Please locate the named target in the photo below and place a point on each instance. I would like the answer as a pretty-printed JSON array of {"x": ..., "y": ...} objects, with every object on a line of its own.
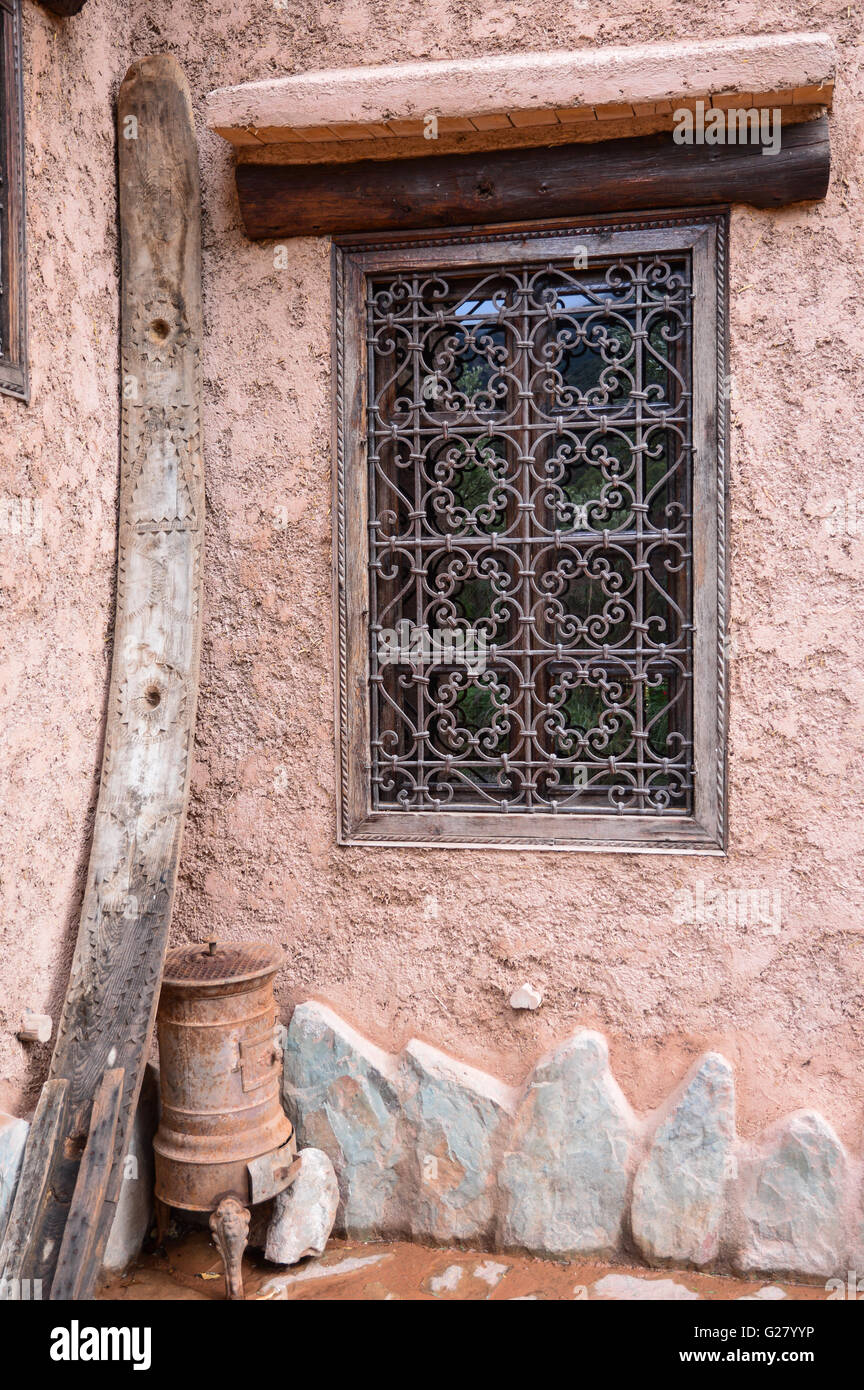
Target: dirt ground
[{"x": 190, "y": 1268}]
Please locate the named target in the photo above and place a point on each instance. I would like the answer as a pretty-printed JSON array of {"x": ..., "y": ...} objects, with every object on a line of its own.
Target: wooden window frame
[
  {"x": 705, "y": 236},
  {"x": 14, "y": 375}
]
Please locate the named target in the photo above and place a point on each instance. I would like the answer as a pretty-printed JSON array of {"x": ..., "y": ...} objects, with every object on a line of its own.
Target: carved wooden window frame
[
  {"x": 703, "y": 237},
  {"x": 14, "y": 376}
]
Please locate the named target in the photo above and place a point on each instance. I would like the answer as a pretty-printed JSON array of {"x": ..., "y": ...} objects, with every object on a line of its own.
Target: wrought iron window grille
[{"x": 531, "y": 458}]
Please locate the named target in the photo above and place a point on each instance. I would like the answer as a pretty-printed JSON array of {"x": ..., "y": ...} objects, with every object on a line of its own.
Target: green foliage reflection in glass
[
  {"x": 584, "y": 710},
  {"x": 657, "y": 698},
  {"x": 477, "y": 470},
  {"x": 457, "y": 366},
  {"x": 478, "y": 709}
]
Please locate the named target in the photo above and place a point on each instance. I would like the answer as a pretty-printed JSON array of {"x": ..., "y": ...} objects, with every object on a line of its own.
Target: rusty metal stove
[{"x": 224, "y": 1141}]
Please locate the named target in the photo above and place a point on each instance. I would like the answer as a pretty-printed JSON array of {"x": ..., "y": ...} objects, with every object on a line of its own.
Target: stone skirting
[{"x": 428, "y": 1147}]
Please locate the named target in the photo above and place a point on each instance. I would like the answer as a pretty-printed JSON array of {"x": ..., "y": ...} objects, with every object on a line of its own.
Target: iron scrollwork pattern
[{"x": 530, "y": 455}]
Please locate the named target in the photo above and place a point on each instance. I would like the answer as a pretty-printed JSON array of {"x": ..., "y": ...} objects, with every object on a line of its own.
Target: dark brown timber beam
[
  {"x": 280, "y": 200},
  {"x": 64, "y": 7}
]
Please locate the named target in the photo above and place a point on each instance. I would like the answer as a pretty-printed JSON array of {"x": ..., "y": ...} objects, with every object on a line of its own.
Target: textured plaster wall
[{"x": 419, "y": 941}]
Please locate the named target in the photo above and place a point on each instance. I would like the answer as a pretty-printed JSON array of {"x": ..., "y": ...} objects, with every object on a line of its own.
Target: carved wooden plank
[
  {"x": 75, "y": 1264},
  {"x": 36, "y": 1207},
  {"x": 109, "y": 1011},
  {"x": 511, "y": 185}
]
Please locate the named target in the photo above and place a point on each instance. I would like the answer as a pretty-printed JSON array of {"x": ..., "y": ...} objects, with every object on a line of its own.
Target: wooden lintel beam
[{"x": 280, "y": 200}]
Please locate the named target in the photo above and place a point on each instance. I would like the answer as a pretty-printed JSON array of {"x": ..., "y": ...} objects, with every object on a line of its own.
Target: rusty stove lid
[{"x": 220, "y": 963}]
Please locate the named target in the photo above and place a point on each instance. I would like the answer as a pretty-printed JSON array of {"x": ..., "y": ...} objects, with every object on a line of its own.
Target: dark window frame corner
[{"x": 14, "y": 366}]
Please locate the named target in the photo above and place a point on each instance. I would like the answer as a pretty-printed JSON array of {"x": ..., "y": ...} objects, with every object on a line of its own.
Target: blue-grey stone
[
  {"x": 343, "y": 1094},
  {"x": 13, "y": 1137},
  {"x": 566, "y": 1175},
  {"x": 679, "y": 1192},
  {"x": 455, "y": 1116},
  {"x": 793, "y": 1201}
]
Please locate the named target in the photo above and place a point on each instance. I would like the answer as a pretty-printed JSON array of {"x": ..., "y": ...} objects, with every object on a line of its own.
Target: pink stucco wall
[{"x": 420, "y": 941}]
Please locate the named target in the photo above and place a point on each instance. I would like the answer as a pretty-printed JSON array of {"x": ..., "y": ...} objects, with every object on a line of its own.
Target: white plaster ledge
[{"x": 518, "y": 91}]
